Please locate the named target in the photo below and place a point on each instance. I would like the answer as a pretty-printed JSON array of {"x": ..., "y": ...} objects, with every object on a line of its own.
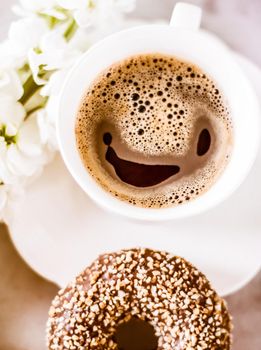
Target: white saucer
[{"x": 58, "y": 230}]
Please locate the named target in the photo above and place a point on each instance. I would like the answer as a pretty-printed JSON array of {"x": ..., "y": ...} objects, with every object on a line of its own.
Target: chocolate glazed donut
[{"x": 136, "y": 291}]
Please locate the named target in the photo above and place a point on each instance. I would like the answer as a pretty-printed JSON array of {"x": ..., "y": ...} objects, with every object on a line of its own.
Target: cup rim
[{"x": 94, "y": 190}]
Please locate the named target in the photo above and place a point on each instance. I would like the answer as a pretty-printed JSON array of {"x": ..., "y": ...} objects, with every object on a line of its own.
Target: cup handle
[{"x": 186, "y": 16}]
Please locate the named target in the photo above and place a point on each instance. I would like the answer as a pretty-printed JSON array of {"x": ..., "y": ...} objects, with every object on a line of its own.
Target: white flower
[
  {"x": 47, "y": 128},
  {"x": 72, "y": 5},
  {"x": 54, "y": 53},
  {"x": 96, "y": 12},
  {"x": 8, "y": 196},
  {"x": 5, "y": 194},
  {"x": 21, "y": 151},
  {"x": 48, "y": 9},
  {"x": 12, "y": 115},
  {"x": 3, "y": 197},
  {"x": 58, "y": 55},
  {"x": 23, "y": 35},
  {"x": 9, "y": 56},
  {"x": 27, "y": 7},
  {"x": 37, "y": 5},
  {"x": 27, "y": 33},
  {"x": 10, "y": 84},
  {"x": 22, "y": 154},
  {"x": 47, "y": 118}
]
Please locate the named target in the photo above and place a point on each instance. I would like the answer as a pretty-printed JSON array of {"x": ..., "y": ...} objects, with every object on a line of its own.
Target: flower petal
[
  {"x": 10, "y": 56},
  {"x": 55, "y": 54},
  {"x": 11, "y": 111},
  {"x": 37, "y": 5},
  {"x": 84, "y": 19},
  {"x": 5, "y": 175},
  {"x": 3, "y": 197},
  {"x": 11, "y": 130},
  {"x": 29, "y": 140},
  {"x": 21, "y": 165},
  {"x": 71, "y": 5},
  {"x": 26, "y": 33},
  {"x": 10, "y": 84},
  {"x": 47, "y": 130},
  {"x": 125, "y": 5},
  {"x": 55, "y": 83},
  {"x": 35, "y": 61}
]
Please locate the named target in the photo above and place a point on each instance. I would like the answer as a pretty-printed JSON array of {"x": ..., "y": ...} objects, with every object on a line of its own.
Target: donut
[{"x": 138, "y": 290}]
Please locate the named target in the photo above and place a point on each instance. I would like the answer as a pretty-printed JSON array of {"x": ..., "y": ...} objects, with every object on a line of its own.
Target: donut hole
[{"x": 136, "y": 334}]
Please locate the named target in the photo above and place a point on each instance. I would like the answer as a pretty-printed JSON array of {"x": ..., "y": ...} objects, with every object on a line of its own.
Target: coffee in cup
[{"x": 154, "y": 131}]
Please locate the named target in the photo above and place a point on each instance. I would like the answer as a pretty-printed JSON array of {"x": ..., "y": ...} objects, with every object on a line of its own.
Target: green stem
[
  {"x": 91, "y": 4},
  {"x": 70, "y": 31},
  {"x": 30, "y": 88},
  {"x": 36, "y": 108}
]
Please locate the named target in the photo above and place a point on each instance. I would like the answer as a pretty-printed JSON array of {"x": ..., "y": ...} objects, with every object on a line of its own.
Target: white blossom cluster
[{"x": 42, "y": 45}]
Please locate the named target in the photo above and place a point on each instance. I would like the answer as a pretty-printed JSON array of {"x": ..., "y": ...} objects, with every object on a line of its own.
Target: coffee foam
[{"x": 155, "y": 106}]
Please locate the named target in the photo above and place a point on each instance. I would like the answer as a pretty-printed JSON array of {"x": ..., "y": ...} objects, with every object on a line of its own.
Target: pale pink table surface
[{"x": 25, "y": 297}]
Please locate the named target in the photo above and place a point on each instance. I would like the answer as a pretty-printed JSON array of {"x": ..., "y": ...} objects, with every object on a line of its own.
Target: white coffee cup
[{"x": 183, "y": 39}]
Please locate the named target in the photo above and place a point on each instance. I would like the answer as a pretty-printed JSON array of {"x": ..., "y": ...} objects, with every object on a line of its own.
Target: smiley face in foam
[
  {"x": 146, "y": 175},
  {"x": 137, "y": 174},
  {"x": 154, "y": 131}
]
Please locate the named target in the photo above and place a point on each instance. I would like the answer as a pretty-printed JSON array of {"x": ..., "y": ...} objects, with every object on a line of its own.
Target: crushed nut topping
[{"x": 162, "y": 289}]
